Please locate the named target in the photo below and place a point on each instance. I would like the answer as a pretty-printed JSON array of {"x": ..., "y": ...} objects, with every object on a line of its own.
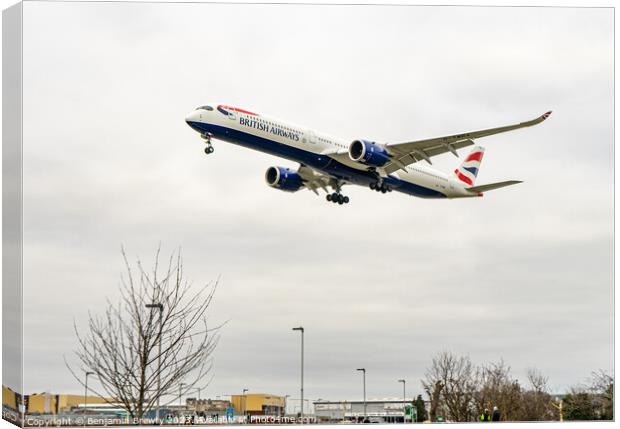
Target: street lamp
[
  {"x": 161, "y": 330},
  {"x": 364, "y": 375},
  {"x": 180, "y": 394},
  {"x": 301, "y": 329},
  {"x": 244, "y": 404},
  {"x": 86, "y": 393},
  {"x": 404, "y": 400}
]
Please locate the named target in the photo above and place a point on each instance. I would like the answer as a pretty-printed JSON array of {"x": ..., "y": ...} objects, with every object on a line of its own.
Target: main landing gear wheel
[
  {"x": 209, "y": 150},
  {"x": 380, "y": 187},
  {"x": 337, "y": 198}
]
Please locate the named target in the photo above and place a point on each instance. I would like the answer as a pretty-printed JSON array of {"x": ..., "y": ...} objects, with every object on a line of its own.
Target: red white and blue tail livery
[
  {"x": 468, "y": 170},
  {"x": 327, "y": 162}
]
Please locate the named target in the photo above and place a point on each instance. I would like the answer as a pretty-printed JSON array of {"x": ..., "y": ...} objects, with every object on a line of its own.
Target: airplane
[{"x": 326, "y": 161}]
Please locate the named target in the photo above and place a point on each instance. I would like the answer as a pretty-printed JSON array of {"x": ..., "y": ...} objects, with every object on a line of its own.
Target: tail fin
[{"x": 468, "y": 170}]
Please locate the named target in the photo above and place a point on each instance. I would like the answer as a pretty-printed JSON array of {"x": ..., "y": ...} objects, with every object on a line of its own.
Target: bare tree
[
  {"x": 461, "y": 391},
  {"x": 122, "y": 346},
  {"x": 591, "y": 400},
  {"x": 452, "y": 379},
  {"x": 602, "y": 389},
  {"x": 602, "y": 383},
  {"x": 536, "y": 401},
  {"x": 497, "y": 388},
  {"x": 434, "y": 395}
]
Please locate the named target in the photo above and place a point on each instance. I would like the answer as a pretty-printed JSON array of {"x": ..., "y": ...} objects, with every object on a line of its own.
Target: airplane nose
[{"x": 193, "y": 116}]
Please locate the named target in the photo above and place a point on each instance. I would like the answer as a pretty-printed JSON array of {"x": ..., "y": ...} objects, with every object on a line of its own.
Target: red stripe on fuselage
[
  {"x": 477, "y": 156},
  {"x": 236, "y": 109},
  {"x": 463, "y": 178}
]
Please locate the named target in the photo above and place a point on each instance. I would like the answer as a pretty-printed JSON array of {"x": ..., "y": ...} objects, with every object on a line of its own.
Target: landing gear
[
  {"x": 338, "y": 198},
  {"x": 380, "y": 187},
  {"x": 207, "y": 139}
]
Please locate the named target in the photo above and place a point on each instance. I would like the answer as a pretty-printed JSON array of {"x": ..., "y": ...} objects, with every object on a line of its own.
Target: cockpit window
[{"x": 204, "y": 108}]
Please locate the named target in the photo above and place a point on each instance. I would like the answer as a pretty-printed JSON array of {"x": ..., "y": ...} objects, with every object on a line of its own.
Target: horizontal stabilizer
[{"x": 491, "y": 186}]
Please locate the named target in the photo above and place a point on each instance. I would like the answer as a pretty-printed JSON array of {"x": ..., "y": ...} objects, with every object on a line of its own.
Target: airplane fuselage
[{"x": 313, "y": 149}]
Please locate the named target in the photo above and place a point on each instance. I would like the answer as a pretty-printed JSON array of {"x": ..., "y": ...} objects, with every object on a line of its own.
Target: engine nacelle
[
  {"x": 369, "y": 153},
  {"x": 283, "y": 178}
]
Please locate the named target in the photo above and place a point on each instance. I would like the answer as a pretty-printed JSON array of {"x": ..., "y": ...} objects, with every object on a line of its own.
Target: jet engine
[
  {"x": 369, "y": 153},
  {"x": 283, "y": 178}
]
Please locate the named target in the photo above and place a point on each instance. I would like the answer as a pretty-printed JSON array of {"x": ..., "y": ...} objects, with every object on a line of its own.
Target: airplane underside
[{"x": 321, "y": 163}]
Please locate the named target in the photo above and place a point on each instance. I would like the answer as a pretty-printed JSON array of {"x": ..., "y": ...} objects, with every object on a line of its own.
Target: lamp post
[
  {"x": 301, "y": 329},
  {"x": 364, "y": 375},
  {"x": 159, "y": 306},
  {"x": 181, "y": 394},
  {"x": 404, "y": 400},
  {"x": 244, "y": 403},
  {"x": 194, "y": 389},
  {"x": 86, "y": 392}
]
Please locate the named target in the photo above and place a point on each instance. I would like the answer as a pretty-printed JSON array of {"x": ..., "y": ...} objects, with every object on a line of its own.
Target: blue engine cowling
[
  {"x": 283, "y": 178},
  {"x": 369, "y": 153}
]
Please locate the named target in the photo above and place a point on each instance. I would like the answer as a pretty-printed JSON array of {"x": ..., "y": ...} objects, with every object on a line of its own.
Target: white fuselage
[{"x": 314, "y": 148}]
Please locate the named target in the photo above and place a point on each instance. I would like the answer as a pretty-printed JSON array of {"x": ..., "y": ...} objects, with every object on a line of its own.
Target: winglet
[{"x": 546, "y": 115}]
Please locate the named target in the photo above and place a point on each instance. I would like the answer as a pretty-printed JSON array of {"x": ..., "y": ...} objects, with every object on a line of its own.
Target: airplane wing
[
  {"x": 403, "y": 154},
  {"x": 314, "y": 180}
]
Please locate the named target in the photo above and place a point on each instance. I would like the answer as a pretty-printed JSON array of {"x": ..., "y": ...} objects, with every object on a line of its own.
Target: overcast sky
[{"x": 523, "y": 274}]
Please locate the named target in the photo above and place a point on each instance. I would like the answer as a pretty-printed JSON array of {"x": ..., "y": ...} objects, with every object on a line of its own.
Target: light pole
[
  {"x": 301, "y": 329},
  {"x": 364, "y": 375},
  {"x": 194, "y": 389},
  {"x": 404, "y": 400},
  {"x": 161, "y": 330},
  {"x": 86, "y": 392},
  {"x": 244, "y": 403},
  {"x": 180, "y": 394}
]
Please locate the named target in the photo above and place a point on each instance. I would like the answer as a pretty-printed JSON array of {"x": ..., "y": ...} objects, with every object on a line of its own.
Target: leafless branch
[{"x": 121, "y": 345}]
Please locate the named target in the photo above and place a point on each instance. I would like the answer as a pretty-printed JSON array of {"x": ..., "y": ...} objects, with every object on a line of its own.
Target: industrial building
[
  {"x": 49, "y": 404},
  {"x": 214, "y": 408},
  {"x": 45, "y": 403},
  {"x": 10, "y": 398},
  {"x": 258, "y": 404},
  {"x": 386, "y": 410}
]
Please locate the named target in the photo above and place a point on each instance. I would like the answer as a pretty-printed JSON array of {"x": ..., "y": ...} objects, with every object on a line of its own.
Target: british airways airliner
[{"x": 326, "y": 161}]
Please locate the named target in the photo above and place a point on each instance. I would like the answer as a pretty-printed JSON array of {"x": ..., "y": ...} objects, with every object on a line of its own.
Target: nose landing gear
[{"x": 207, "y": 139}]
